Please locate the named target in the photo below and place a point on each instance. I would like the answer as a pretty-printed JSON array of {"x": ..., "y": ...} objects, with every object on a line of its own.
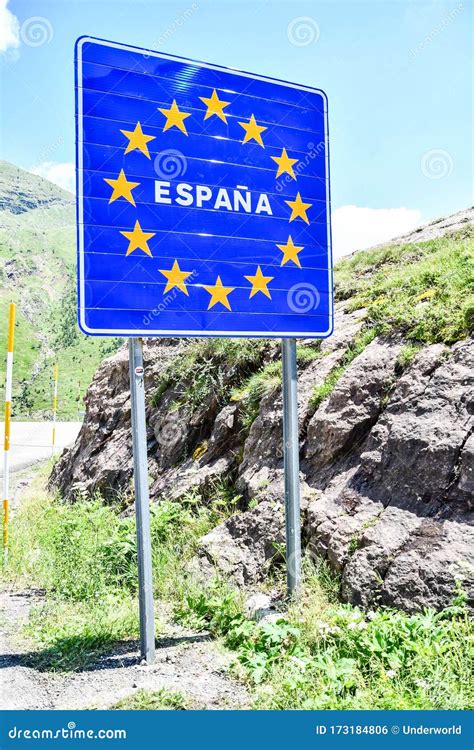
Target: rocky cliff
[{"x": 385, "y": 414}]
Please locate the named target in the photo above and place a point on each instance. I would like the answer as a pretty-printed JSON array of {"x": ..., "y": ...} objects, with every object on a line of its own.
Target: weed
[
  {"x": 151, "y": 700},
  {"x": 83, "y": 554},
  {"x": 254, "y": 389},
  {"x": 308, "y": 352},
  {"x": 321, "y": 392},
  {"x": 328, "y": 655},
  {"x": 68, "y": 636},
  {"x": 320, "y": 655},
  {"x": 423, "y": 291},
  {"x": 354, "y": 545},
  {"x": 210, "y": 367},
  {"x": 406, "y": 356}
]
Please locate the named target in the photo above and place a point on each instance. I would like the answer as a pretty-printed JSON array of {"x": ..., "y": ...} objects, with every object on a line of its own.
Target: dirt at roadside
[{"x": 187, "y": 662}]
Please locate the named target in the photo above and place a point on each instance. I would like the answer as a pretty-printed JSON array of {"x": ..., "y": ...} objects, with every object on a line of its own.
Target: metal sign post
[
  {"x": 291, "y": 466},
  {"x": 203, "y": 205},
  {"x": 142, "y": 501}
]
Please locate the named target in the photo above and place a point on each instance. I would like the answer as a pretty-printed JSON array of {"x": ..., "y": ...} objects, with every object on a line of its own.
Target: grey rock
[
  {"x": 386, "y": 474},
  {"x": 394, "y": 520},
  {"x": 466, "y": 471},
  {"x": 263, "y": 450},
  {"x": 101, "y": 458},
  {"x": 378, "y": 545},
  {"x": 245, "y": 545},
  {"x": 425, "y": 572},
  {"x": 259, "y": 606},
  {"x": 411, "y": 456},
  {"x": 225, "y": 433},
  {"x": 354, "y": 405},
  {"x": 190, "y": 476}
]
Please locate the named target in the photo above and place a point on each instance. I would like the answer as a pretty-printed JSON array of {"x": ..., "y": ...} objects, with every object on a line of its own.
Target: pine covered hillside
[{"x": 37, "y": 272}]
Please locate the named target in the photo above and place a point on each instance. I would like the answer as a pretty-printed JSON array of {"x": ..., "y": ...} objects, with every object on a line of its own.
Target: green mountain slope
[{"x": 37, "y": 272}]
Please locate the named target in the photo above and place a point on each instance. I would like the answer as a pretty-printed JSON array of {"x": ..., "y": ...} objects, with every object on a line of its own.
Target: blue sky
[{"x": 397, "y": 75}]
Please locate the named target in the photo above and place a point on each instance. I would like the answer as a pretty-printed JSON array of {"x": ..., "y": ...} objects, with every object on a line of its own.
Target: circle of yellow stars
[{"x": 138, "y": 238}]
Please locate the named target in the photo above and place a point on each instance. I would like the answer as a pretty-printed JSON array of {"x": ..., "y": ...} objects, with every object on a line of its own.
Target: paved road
[{"x": 31, "y": 441}]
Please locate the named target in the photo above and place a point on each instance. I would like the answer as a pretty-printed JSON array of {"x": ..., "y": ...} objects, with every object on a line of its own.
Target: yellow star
[
  {"x": 285, "y": 164},
  {"x": 138, "y": 239},
  {"x": 215, "y": 106},
  {"x": 176, "y": 277},
  {"x": 219, "y": 293},
  {"x": 137, "y": 140},
  {"x": 174, "y": 117},
  {"x": 252, "y": 130},
  {"x": 290, "y": 252},
  {"x": 122, "y": 188},
  {"x": 259, "y": 283},
  {"x": 298, "y": 209}
]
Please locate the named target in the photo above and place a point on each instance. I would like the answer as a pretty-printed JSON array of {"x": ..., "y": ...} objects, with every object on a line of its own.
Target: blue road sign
[{"x": 202, "y": 199}]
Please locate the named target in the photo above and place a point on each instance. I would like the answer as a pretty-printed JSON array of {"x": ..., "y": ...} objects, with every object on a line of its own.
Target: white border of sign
[{"x": 80, "y": 208}]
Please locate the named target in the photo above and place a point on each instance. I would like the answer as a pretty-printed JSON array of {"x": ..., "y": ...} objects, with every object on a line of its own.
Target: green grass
[
  {"x": 210, "y": 367},
  {"x": 151, "y": 700},
  {"x": 254, "y": 388},
  {"x": 327, "y": 655},
  {"x": 266, "y": 379},
  {"x": 68, "y": 635},
  {"x": 423, "y": 291},
  {"x": 33, "y": 389},
  {"x": 320, "y": 655},
  {"x": 342, "y": 658},
  {"x": 83, "y": 555},
  {"x": 77, "y": 356}
]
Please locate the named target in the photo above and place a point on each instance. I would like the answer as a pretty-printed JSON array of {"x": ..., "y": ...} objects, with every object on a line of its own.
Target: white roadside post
[
  {"x": 7, "y": 427},
  {"x": 55, "y": 406},
  {"x": 142, "y": 501},
  {"x": 291, "y": 462}
]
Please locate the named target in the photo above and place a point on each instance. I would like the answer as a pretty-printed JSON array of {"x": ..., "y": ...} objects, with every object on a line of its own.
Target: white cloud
[
  {"x": 9, "y": 28},
  {"x": 355, "y": 228},
  {"x": 62, "y": 174}
]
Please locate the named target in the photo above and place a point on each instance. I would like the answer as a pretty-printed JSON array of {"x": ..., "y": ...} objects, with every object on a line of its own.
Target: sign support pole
[
  {"x": 142, "y": 501},
  {"x": 291, "y": 466},
  {"x": 7, "y": 425}
]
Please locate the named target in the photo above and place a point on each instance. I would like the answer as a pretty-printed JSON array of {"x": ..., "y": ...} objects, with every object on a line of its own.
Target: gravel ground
[{"x": 188, "y": 662}]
